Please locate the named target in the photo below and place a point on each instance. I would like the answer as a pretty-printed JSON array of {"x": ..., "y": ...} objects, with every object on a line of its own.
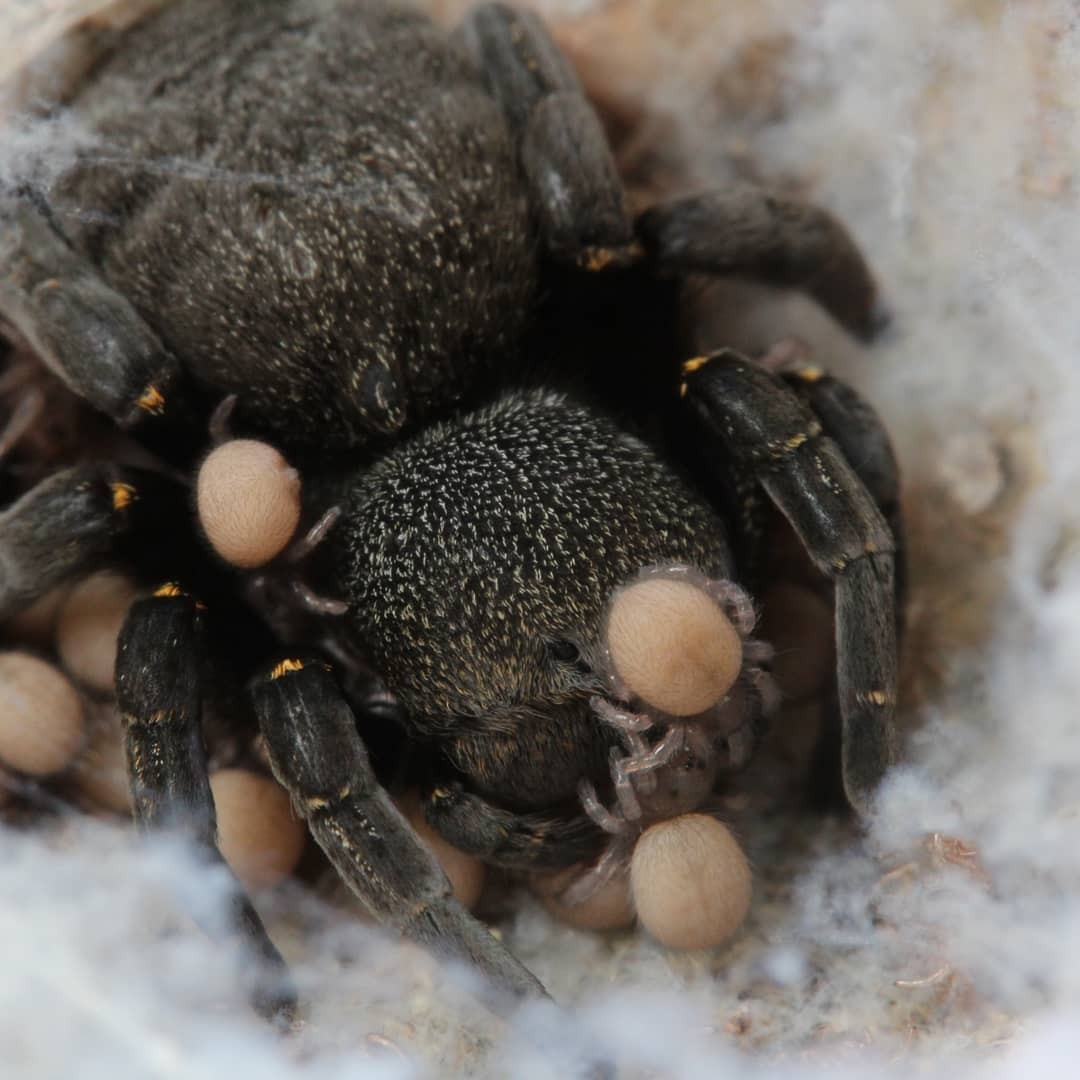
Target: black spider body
[
  {"x": 347, "y": 249},
  {"x": 363, "y": 259},
  {"x": 407, "y": 255}
]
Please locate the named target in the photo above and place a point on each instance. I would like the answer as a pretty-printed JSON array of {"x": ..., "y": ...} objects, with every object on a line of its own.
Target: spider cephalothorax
[
  {"x": 677, "y": 647},
  {"x": 402, "y": 260}
]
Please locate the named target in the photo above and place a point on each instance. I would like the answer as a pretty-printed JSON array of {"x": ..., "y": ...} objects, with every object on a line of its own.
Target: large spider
[{"x": 403, "y": 259}]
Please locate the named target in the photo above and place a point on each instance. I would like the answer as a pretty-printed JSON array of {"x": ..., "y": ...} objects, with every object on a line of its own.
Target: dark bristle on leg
[
  {"x": 748, "y": 231},
  {"x": 83, "y": 518},
  {"x": 159, "y": 671},
  {"x": 751, "y": 419}
]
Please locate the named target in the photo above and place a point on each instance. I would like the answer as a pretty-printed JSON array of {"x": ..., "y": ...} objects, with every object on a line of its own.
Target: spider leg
[
  {"x": 594, "y": 809},
  {"x": 317, "y": 754},
  {"x": 302, "y": 548},
  {"x": 615, "y": 860},
  {"x": 517, "y": 841},
  {"x": 854, "y": 426},
  {"x": 574, "y": 186},
  {"x": 749, "y": 231},
  {"x": 82, "y": 518},
  {"x": 159, "y": 691},
  {"x": 751, "y": 420},
  {"x": 85, "y": 331},
  {"x": 657, "y": 756}
]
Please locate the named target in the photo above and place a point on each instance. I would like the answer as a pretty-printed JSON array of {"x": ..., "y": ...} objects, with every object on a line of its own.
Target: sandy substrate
[{"x": 944, "y": 134}]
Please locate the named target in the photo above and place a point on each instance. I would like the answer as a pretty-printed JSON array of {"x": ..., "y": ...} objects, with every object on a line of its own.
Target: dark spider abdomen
[
  {"x": 316, "y": 206},
  {"x": 470, "y": 553}
]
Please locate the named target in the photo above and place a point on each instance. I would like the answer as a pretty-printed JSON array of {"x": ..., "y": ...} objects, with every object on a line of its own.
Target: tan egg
[
  {"x": 248, "y": 498},
  {"x": 691, "y": 882},
  {"x": 258, "y": 834},
  {"x": 672, "y": 645},
  {"x": 609, "y": 908},
  {"x": 100, "y": 772},
  {"x": 88, "y": 626},
  {"x": 41, "y": 716},
  {"x": 799, "y": 626},
  {"x": 465, "y": 872},
  {"x": 36, "y": 623}
]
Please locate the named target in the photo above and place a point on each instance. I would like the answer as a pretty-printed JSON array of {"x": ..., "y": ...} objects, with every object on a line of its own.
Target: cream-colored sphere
[
  {"x": 248, "y": 499},
  {"x": 41, "y": 716},
  {"x": 691, "y": 882},
  {"x": 88, "y": 627},
  {"x": 258, "y": 834},
  {"x": 466, "y": 873},
  {"x": 672, "y": 645}
]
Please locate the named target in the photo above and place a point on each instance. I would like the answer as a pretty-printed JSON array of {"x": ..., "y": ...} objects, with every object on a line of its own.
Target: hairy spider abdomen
[{"x": 317, "y": 208}]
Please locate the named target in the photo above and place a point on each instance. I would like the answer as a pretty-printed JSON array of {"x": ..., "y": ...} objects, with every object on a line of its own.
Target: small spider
[
  {"x": 679, "y": 645},
  {"x": 404, "y": 260}
]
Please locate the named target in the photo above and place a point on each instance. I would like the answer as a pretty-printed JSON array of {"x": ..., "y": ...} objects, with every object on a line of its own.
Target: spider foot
[
  {"x": 280, "y": 590},
  {"x": 219, "y": 426},
  {"x": 629, "y": 723},
  {"x": 314, "y": 602},
  {"x": 303, "y": 547},
  {"x": 614, "y": 862},
  {"x": 275, "y": 999},
  {"x": 735, "y": 602},
  {"x": 611, "y": 823}
]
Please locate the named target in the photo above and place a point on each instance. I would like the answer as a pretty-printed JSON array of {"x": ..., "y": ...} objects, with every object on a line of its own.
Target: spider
[{"x": 402, "y": 258}]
